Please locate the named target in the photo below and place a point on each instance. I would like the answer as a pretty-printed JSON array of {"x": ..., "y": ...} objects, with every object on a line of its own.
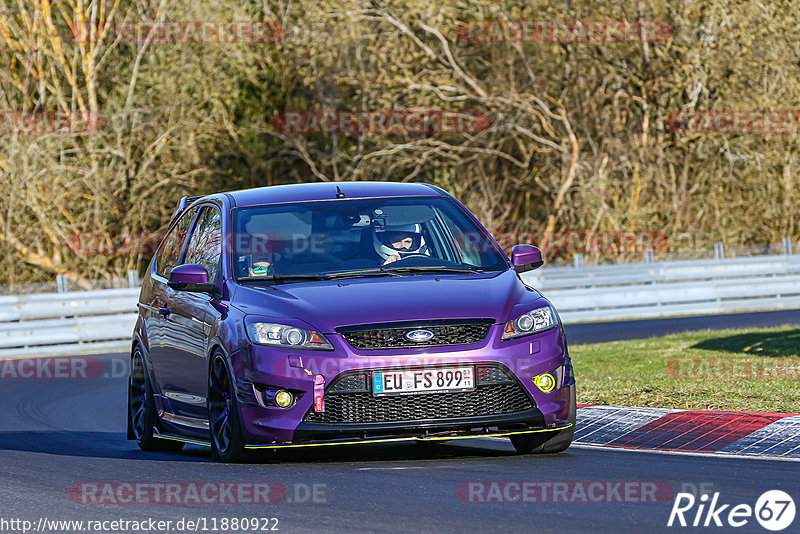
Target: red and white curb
[{"x": 753, "y": 433}]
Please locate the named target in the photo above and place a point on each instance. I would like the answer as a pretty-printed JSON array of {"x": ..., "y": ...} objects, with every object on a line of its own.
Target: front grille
[
  {"x": 496, "y": 392},
  {"x": 393, "y": 337}
]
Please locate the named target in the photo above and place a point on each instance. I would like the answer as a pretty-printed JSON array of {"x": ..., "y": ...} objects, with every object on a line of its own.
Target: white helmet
[{"x": 384, "y": 238}]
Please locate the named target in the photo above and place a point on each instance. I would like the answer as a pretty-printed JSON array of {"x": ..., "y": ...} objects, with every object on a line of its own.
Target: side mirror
[
  {"x": 190, "y": 277},
  {"x": 526, "y": 258}
]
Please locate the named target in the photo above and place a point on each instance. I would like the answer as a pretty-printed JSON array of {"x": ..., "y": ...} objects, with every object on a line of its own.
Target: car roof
[{"x": 328, "y": 191}]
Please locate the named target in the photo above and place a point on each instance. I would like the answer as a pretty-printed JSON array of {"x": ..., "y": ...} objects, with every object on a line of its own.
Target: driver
[{"x": 394, "y": 243}]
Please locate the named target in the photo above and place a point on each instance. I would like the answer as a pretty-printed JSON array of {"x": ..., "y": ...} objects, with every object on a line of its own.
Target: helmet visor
[{"x": 401, "y": 241}]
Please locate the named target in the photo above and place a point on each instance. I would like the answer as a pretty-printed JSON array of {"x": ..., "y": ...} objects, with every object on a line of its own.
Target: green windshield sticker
[{"x": 260, "y": 270}]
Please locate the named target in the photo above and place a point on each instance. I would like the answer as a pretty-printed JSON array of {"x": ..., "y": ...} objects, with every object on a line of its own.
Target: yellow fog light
[
  {"x": 284, "y": 399},
  {"x": 545, "y": 382}
]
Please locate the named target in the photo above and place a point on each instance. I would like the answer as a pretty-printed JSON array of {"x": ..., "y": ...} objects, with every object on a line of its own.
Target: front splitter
[{"x": 408, "y": 439}]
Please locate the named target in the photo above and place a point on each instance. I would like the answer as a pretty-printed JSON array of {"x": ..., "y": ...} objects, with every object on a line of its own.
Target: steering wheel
[
  {"x": 407, "y": 256},
  {"x": 412, "y": 255}
]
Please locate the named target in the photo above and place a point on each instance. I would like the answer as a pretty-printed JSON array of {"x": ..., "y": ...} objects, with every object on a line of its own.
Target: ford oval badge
[{"x": 419, "y": 336}]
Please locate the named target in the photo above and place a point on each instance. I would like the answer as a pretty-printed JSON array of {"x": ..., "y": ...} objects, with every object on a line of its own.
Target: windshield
[{"x": 376, "y": 236}]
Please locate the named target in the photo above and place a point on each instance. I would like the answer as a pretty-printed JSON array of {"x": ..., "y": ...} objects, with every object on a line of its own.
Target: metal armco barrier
[
  {"x": 63, "y": 322},
  {"x": 695, "y": 287},
  {"x": 103, "y": 319}
]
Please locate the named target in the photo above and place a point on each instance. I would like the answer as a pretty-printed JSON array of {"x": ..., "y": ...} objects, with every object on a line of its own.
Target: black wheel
[
  {"x": 227, "y": 441},
  {"x": 142, "y": 418},
  {"x": 543, "y": 442},
  {"x": 548, "y": 442}
]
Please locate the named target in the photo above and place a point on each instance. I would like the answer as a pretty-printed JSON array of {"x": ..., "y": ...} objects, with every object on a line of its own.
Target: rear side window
[
  {"x": 169, "y": 254},
  {"x": 205, "y": 245}
]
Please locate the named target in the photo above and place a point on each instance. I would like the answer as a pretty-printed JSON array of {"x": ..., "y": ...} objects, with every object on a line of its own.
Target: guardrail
[
  {"x": 694, "y": 287},
  {"x": 61, "y": 322},
  {"x": 104, "y": 319}
]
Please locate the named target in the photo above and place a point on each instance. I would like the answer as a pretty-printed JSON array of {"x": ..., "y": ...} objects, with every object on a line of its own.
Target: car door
[
  {"x": 190, "y": 320},
  {"x": 156, "y": 310}
]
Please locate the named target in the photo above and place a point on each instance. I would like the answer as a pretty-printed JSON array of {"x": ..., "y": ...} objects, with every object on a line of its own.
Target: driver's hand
[{"x": 391, "y": 259}]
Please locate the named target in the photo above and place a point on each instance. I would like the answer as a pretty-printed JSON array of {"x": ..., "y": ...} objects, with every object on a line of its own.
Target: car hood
[{"x": 329, "y": 304}]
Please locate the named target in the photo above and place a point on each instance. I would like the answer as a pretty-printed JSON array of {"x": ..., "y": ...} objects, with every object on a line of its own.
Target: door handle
[{"x": 164, "y": 311}]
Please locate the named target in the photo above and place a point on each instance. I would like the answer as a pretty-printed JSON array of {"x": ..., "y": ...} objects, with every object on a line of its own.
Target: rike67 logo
[{"x": 774, "y": 510}]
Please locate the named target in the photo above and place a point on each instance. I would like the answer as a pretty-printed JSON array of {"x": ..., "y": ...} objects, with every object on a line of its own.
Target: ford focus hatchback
[{"x": 330, "y": 314}]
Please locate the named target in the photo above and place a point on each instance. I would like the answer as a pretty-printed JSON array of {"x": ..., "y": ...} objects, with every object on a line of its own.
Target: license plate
[{"x": 422, "y": 381}]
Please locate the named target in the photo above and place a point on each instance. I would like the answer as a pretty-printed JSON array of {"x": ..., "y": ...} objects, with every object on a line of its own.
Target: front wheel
[
  {"x": 543, "y": 442},
  {"x": 548, "y": 442},
  {"x": 227, "y": 441},
  {"x": 142, "y": 418}
]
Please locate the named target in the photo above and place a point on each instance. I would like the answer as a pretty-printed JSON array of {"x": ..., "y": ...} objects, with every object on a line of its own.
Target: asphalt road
[{"x": 58, "y": 436}]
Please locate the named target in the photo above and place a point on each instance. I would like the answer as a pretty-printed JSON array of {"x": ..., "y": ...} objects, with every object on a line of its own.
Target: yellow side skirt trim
[{"x": 182, "y": 440}]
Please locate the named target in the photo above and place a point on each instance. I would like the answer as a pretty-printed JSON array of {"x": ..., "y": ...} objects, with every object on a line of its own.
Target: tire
[
  {"x": 548, "y": 442},
  {"x": 543, "y": 442},
  {"x": 225, "y": 429},
  {"x": 142, "y": 416}
]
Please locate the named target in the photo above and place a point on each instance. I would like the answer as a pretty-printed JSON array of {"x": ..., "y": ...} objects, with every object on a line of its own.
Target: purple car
[{"x": 328, "y": 314}]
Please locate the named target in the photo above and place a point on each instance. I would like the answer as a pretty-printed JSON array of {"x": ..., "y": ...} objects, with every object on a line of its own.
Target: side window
[
  {"x": 466, "y": 243},
  {"x": 170, "y": 252},
  {"x": 205, "y": 245}
]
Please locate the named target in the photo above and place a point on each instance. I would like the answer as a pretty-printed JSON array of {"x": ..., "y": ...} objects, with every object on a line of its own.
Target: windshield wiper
[
  {"x": 434, "y": 269},
  {"x": 383, "y": 271},
  {"x": 359, "y": 273},
  {"x": 329, "y": 276},
  {"x": 280, "y": 278}
]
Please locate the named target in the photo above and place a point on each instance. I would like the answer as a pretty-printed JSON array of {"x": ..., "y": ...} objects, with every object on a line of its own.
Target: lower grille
[{"x": 495, "y": 394}]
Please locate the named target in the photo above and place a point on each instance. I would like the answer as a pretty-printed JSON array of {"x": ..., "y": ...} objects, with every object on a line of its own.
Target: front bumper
[{"x": 270, "y": 427}]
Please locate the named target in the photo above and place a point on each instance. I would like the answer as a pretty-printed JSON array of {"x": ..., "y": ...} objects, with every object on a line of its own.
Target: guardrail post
[
  {"x": 578, "y": 260},
  {"x": 133, "y": 278},
  {"x": 649, "y": 255},
  {"x": 61, "y": 283},
  {"x": 719, "y": 250},
  {"x": 787, "y": 246}
]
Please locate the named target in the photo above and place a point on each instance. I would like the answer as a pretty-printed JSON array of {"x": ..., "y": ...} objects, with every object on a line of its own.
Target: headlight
[
  {"x": 281, "y": 335},
  {"x": 530, "y": 323}
]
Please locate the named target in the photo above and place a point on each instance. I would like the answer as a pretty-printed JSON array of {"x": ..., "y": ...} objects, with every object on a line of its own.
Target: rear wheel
[
  {"x": 142, "y": 416},
  {"x": 227, "y": 441}
]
